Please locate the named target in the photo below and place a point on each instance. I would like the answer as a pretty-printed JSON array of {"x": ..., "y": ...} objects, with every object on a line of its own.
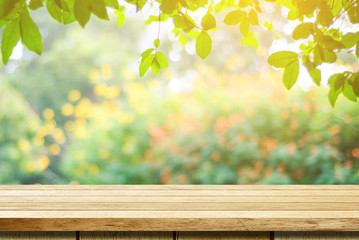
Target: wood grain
[
  {"x": 37, "y": 235},
  {"x": 222, "y": 235},
  {"x": 179, "y": 208},
  {"x": 316, "y": 235},
  {"x": 126, "y": 235}
]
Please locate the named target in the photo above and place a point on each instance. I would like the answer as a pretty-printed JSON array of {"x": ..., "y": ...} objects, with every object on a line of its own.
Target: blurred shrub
[
  {"x": 231, "y": 129},
  {"x": 22, "y": 157}
]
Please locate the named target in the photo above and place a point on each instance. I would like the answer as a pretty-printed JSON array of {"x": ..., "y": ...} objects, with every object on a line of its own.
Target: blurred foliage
[
  {"x": 212, "y": 135},
  {"x": 21, "y": 154},
  {"x": 322, "y": 29},
  {"x": 81, "y": 114}
]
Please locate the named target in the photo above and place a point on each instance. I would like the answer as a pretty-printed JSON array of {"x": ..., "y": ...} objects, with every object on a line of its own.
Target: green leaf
[
  {"x": 161, "y": 18},
  {"x": 243, "y": 3},
  {"x": 244, "y": 27},
  {"x": 293, "y": 14},
  {"x": 6, "y": 6},
  {"x": 98, "y": 8},
  {"x": 155, "y": 66},
  {"x": 282, "y": 59},
  {"x": 208, "y": 22},
  {"x": 183, "y": 3},
  {"x": 337, "y": 7},
  {"x": 182, "y": 39},
  {"x": 357, "y": 49},
  {"x": 329, "y": 56},
  {"x": 350, "y": 39},
  {"x": 30, "y": 34},
  {"x": 203, "y": 44},
  {"x": 336, "y": 81},
  {"x": 2, "y": 23},
  {"x": 325, "y": 16},
  {"x": 112, "y": 3},
  {"x": 318, "y": 55},
  {"x": 303, "y": 31},
  {"x": 330, "y": 43},
  {"x": 234, "y": 17},
  {"x": 169, "y": 6},
  {"x": 10, "y": 37},
  {"x": 138, "y": 3},
  {"x": 253, "y": 17},
  {"x": 355, "y": 86},
  {"x": 183, "y": 22},
  {"x": 353, "y": 14},
  {"x": 35, "y": 4},
  {"x": 162, "y": 59},
  {"x": 156, "y": 43},
  {"x": 68, "y": 17},
  {"x": 348, "y": 92},
  {"x": 291, "y": 73},
  {"x": 250, "y": 40},
  {"x": 307, "y": 6},
  {"x": 312, "y": 70},
  {"x": 147, "y": 52},
  {"x": 54, "y": 10},
  {"x": 62, "y": 5},
  {"x": 120, "y": 19},
  {"x": 333, "y": 96},
  {"x": 146, "y": 62},
  {"x": 82, "y": 12}
]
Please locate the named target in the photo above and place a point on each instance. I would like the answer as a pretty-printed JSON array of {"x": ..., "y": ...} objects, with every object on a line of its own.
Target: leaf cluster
[{"x": 322, "y": 38}]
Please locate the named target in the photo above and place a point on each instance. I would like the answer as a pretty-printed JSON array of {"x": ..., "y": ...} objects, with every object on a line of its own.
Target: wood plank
[
  {"x": 126, "y": 235},
  {"x": 181, "y": 199},
  {"x": 118, "y": 224},
  {"x": 179, "y": 187},
  {"x": 178, "y": 224},
  {"x": 177, "y": 206},
  {"x": 37, "y": 235},
  {"x": 186, "y": 192},
  {"x": 169, "y": 214},
  {"x": 223, "y": 235},
  {"x": 316, "y": 235}
]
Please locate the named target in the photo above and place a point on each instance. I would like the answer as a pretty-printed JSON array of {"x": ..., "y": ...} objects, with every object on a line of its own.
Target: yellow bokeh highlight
[
  {"x": 59, "y": 136},
  {"x": 93, "y": 169},
  {"x": 74, "y": 95},
  {"x": 43, "y": 162},
  {"x": 83, "y": 108},
  {"x": 106, "y": 71},
  {"x": 54, "y": 149},
  {"x": 48, "y": 114},
  {"x": 67, "y": 109},
  {"x": 50, "y": 125},
  {"x": 94, "y": 75},
  {"x": 128, "y": 74},
  {"x": 106, "y": 91},
  {"x": 38, "y": 140},
  {"x": 69, "y": 125},
  {"x": 24, "y": 145},
  {"x": 30, "y": 166},
  {"x": 104, "y": 154}
]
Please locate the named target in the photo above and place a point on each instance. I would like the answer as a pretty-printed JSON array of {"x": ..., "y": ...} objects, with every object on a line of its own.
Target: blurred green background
[{"x": 80, "y": 114}]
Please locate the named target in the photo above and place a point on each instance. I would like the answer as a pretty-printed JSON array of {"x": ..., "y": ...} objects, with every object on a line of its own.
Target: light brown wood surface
[
  {"x": 126, "y": 235},
  {"x": 316, "y": 235},
  {"x": 179, "y": 208},
  {"x": 223, "y": 235},
  {"x": 37, "y": 235}
]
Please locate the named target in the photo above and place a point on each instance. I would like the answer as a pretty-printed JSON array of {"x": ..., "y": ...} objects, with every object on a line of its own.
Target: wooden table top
[{"x": 179, "y": 208}]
